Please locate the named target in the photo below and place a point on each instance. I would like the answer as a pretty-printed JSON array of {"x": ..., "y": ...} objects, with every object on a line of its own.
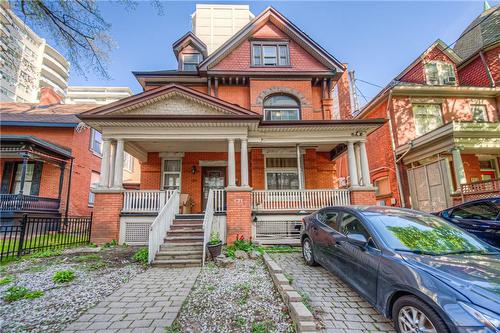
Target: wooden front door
[{"x": 213, "y": 178}]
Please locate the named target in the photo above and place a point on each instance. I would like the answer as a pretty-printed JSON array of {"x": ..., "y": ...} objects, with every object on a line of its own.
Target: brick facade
[
  {"x": 239, "y": 215},
  {"x": 106, "y": 217},
  {"x": 363, "y": 197}
]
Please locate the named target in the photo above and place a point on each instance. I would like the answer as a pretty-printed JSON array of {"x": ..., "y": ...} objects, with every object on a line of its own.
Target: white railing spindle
[
  {"x": 145, "y": 201},
  {"x": 281, "y": 200}
]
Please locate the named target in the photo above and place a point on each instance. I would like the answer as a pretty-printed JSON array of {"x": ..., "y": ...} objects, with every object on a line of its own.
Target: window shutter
[
  {"x": 6, "y": 177},
  {"x": 37, "y": 175}
]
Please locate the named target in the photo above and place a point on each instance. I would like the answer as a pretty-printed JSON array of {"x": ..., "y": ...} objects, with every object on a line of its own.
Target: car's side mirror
[{"x": 357, "y": 239}]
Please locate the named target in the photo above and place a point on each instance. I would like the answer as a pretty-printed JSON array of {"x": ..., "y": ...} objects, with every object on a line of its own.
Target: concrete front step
[
  {"x": 182, "y": 245},
  {"x": 189, "y": 216},
  {"x": 186, "y": 226},
  {"x": 180, "y": 255},
  {"x": 185, "y": 233},
  {"x": 176, "y": 262}
]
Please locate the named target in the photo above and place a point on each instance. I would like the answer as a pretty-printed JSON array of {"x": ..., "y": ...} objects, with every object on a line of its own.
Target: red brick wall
[
  {"x": 84, "y": 163},
  {"x": 240, "y": 58},
  {"x": 474, "y": 74},
  {"x": 493, "y": 60},
  {"x": 239, "y": 215},
  {"x": 363, "y": 197},
  {"x": 471, "y": 167},
  {"x": 344, "y": 96},
  {"x": 257, "y": 180},
  {"x": 150, "y": 172},
  {"x": 106, "y": 218}
]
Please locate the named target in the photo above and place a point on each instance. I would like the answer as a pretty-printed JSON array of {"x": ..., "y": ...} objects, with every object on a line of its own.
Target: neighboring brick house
[
  {"x": 443, "y": 128},
  {"x": 58, "y": 153},
  {"x": 251, "y": 123}
]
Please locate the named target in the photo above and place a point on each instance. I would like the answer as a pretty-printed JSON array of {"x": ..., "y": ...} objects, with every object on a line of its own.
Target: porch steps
[{"x": 183, "y": 243}]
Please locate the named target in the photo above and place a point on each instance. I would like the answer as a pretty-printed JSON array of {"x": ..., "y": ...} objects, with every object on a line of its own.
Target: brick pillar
[
  {"x": 327, "y": 105},
  {"x": 106, "y": 217},
  {"x": 238, "y": 214},
  {"x": 310, "y": 169},
  {"x": 363, "y": 196},
  {"x": 257, "y": 169}
]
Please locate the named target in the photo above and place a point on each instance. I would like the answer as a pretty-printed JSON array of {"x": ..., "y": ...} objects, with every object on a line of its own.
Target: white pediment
[{"x": 174, "y": 104}]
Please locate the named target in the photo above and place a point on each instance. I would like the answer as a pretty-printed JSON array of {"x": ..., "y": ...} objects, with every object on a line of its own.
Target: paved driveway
[{"x": 338, "y": 308}]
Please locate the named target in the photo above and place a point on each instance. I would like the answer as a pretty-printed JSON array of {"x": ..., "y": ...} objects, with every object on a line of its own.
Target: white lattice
[
  {"x": 136, "y": 233},
  {"x": 269, "y": 229}
]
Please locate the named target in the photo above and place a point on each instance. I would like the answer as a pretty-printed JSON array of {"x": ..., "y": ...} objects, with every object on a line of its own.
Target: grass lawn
[{"x": 42, "y": 241}]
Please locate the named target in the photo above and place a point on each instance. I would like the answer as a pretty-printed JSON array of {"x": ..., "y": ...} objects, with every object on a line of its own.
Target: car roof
[
  {"x": 380, "y": 210},
  {"x": 492, "y": 199}
]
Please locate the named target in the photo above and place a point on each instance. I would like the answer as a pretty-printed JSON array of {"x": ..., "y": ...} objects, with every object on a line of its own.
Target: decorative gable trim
[
  {"x": 271, "y": 14},
  {"x": 123, "y": 107},
  {"x": 189, "y": 38}
]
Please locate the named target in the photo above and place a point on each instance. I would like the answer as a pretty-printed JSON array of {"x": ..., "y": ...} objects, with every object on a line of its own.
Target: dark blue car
[
  {"x": 479, "y": 217},
  {"x": 416, "y": 268}
]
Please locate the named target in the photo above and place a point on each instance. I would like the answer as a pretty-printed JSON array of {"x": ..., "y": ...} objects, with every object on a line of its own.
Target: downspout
[
  {"x": 69, "y": 189},
  {"x": 393, "y": 144}
]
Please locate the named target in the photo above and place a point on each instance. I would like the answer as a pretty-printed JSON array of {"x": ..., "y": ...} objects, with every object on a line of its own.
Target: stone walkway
[
  {"x": 148, "y": 303},
  {"x": 338, "y": 308}
]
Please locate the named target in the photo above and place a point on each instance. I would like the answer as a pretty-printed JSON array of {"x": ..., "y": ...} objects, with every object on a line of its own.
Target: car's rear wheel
[
  {"x": 411, "y": 315},
  {"x": 307, "y": 252}
]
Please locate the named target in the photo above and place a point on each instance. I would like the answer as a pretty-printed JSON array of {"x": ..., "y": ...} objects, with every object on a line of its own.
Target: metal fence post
[
  {"x": 90, "y": 226},
  {"x": 24, "y": 223}
]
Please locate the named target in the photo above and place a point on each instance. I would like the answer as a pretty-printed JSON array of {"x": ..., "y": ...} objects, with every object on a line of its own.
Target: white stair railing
[
  {"x": 281, "y": 200},
  {"x": 145, "y": 201},
  {"x": 161, "y": 225},
  {"x": 219, "y": 200},
  {"x": 207, "y": 223}
]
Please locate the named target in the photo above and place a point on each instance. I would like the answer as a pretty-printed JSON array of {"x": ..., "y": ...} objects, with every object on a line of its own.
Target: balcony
[{"x": 20, "y": 203}]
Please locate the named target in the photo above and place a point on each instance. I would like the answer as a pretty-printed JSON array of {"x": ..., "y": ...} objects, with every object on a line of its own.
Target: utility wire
[{"x": 372, "y": 84}]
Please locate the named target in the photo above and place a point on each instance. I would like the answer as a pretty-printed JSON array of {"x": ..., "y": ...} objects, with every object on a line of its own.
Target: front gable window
[
  {"x": 479, "y": 112},
  {"x": 281, "y": 107},
  {"x": 427, "y": 117},
  {"x": 440, "y": 73},
  {"x": 270, "y": 54}
]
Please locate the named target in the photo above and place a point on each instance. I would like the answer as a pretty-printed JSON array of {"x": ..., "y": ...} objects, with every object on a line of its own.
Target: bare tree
[{"x": 77, "y": 27}]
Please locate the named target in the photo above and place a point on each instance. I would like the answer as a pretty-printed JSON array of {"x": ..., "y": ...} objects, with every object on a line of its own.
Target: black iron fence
[{"x": 31, "y": 234}]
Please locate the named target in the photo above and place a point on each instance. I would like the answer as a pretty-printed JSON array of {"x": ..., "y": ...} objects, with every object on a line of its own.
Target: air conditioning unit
[{"x": 450, "y": 80}]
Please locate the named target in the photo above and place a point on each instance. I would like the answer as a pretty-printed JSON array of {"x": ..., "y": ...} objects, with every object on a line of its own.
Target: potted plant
[{"x": 214, "y": 245}]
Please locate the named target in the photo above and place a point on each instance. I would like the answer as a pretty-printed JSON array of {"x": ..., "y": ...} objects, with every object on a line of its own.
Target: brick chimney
[
  {"x": 48, "y": 96},
  {"x": 344, "y": 96}
]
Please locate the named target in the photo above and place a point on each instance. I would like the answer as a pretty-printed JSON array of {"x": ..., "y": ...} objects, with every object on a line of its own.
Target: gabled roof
[
  {"x": 189, "y": 38},
  {"x": 34, "y": 140},
  {"x": 441, "y": 46},
  {"x": 114, "y": 110},
  {"x": 32, "y": 114},
  {"x": 271, "y": 14}
]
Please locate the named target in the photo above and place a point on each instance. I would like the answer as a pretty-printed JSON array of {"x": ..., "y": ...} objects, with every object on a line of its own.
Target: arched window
[{"x": 281, "y": 107}]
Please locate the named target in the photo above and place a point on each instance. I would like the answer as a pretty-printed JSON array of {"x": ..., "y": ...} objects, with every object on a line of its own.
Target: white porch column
[
  {"x": 357, "y": 154},
  {"x": 365, "y": 168},
  {"x": 106, "y": 154},
  {"x": 118, "y": 178},
  {"x": 112, "y": 158},
  {"x": 231, "y": 163},
  {"x": 458, "y": 166},
  {"x": 244, "y": 162},
  {"x": 351, "y": 161},
  {"x": 299, "y": 167}
]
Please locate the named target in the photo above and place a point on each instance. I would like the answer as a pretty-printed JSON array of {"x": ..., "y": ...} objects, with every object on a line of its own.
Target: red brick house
[
  {"x": 444, "y": 126},
  {"x": 245, "y": 134},
  {"x": 49, "y": 159}
]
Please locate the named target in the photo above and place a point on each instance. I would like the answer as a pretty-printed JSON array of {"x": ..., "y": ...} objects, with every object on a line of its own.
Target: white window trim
[
  {"x": 163, "y": 172},
  {"x": 190, "y": 54},
  {"x": 281, "y": 109},
  {"x": 377, "y": 189},
  {"x": 128, "y": 166},
  {"x": 277, "y": 44},
  {"x": 283, "y": 170},
  {"x": 441, "y": 74},
  {"x": 485, "y": 113},
  {"x": 91, "y": 144},
  {"x": 415, "y": 121}
]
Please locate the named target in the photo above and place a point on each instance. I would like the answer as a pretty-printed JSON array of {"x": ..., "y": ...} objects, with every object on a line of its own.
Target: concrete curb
[{"x": 301, "y": 316}]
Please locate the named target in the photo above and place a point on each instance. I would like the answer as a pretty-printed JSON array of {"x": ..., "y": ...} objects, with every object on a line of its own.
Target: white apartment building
[
  {"x": 214, "y": 24},
  {"x": 95, "y": 95},
  {"x": 27, "y": 62}
]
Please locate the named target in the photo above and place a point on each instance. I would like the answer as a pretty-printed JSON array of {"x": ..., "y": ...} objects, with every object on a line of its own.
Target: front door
[{"x": 213, "y": 178}]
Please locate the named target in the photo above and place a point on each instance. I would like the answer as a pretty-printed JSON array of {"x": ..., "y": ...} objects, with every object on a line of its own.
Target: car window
[
  {"x": 487, "y": 211},
  {"x": 329, "y": 218},
  {"x": 350, "y": 224}
]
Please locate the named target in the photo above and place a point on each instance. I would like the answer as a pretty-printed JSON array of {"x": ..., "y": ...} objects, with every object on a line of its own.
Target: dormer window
[
  {"x": 270, "y": 54},
  {"x": 190, "y": 61},
  {"x": 440, "y": 73}
]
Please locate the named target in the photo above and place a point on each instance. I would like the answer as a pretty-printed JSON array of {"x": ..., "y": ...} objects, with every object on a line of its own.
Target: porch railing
[
  {"x": 480, "y": 190},
  {"x": 207, "y": 222},
  {"x": 281, "y": 200},
  {"x": 145, "y": 201},
  {"x": 219, "y": 200},
  {"x": 162, "y": 224},
  {"x": 27, "y": 203}
]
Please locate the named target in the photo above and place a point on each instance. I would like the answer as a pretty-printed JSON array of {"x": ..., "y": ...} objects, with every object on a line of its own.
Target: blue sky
[{"x": 376, "y": 39}]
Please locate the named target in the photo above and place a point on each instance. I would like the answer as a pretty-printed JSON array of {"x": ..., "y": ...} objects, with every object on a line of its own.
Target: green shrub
[
  {"x": 16, "y": 293},
  {"x": 141, "y": 256},
  {"x": 264, "y": 327},
  {"x": 214, "y": 238},
  {"x": 113, "y": 243},
  {"x": 63, "y": 276},
  {"x": 97, "y": 265},
  {"x": 6, "y": 280},
  {"x": 46, "y": 254}
]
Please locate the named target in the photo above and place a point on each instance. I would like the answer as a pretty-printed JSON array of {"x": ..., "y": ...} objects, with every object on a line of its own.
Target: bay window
[{"x": 427, "y": 117}]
